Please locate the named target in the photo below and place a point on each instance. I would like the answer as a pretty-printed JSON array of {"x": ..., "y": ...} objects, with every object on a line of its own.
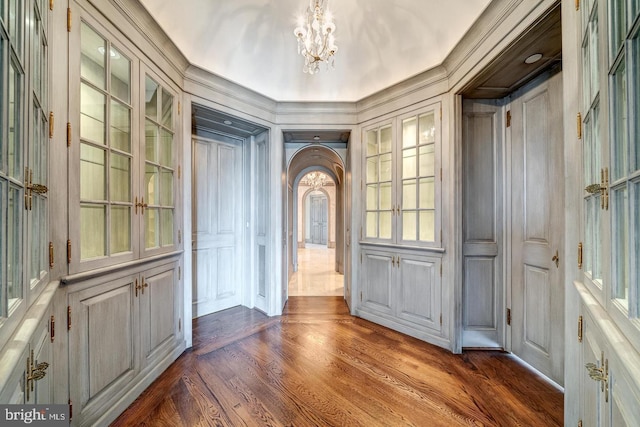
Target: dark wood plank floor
[{"x": 318, "y": 366}]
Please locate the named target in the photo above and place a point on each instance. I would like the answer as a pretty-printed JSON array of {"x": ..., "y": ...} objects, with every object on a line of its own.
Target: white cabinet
[
  {"x": 401, "y": 289},
  {"x": 123, "y": 333},
  {"x": 28, "y": 369}
]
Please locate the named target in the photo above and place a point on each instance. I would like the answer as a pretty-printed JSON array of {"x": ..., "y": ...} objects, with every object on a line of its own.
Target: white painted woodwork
[
  {"x": 482, "y": 226},
  {"x": 260, "y": 203},
  {"x": 318, "y": 219},
  {"x": 402, "y": 290},
  {"x": 217, "y": 225},
  {"x": 537, "y": 196}
]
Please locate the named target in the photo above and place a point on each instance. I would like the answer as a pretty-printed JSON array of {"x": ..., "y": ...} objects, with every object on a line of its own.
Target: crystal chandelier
[
  {"x": 315, "y": 34},
  {"x": 315, "y": 179}
]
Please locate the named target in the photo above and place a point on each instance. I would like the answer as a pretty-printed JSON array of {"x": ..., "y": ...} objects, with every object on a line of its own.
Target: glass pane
[
  {"x": 385, "y": 167},
  {"x": 427, "y": 160},
  {"x": 427, "y": 226},
  {"x": 372, "y": 142},
  {"x": 14, "y": 146},
  {"x": 151, "y": 98},
  {"x": 372, "y": 224},
  {"x": 93, "y": 58},
  {"x": 409, "y": 163},
  {"x": 166, "y": 148},
  {"x": 120, "y": 75},
  {"x": 621, "y": 255},
  {"x": 409, "y": 225},
  {"x": 3, "y": 144},
  {"x": 166, "y": 187},
  {"x": 635, "y": 78},
  {"x": 409, "y": 194},
  {"x": 92, "y": 231},
  {"x": 385, "y": 196},
  {"x": 92, "y": 114},
  {"x": 15, "y": 25},
  {"x": 120, "y": 178},
  {"x": 151, "y": 180},
  {"x": 151, "y": 142},
  {"x": 385, "y": 139},
  {"x": 167, "y": 227},
  {"x": 409, "y": 129},
  {"x": 385, "y": 225},
  {"x": 427, "y": 193},
  {"x": 167, "y": 109},
  {"x": 4, "y": 229},
  {"x": 120, "y": 126},
  {"x": 14, "y": 245},
  {"x": 619, "y": 122},
  {"x": 120, "y": 229},
  {"x": 635, "y": 212},
  {"x": 372, "y": 197},
  {"x": 36, "y": 46},
  {"x": 92, "y": 173},
  {"x": 372, "y": 169},
  {"x": 37, "y": 241},
  {"x": 618, "y": 29},
  {"x": 427, "y": 128},
  {"x": 152, "y": 223}
]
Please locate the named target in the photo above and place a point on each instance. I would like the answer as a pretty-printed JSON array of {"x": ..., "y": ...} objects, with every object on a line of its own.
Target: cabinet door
[
  {"x": 377, "y": 272},
  {"x": 42, "y": 358},
  {"x": 159, "y": 311},
  {"x": 419, "y": 293},
  {"x": 594, "y": 410},
  {"x": 102, "y": 345},
  {"x": 13, "y": 392}
]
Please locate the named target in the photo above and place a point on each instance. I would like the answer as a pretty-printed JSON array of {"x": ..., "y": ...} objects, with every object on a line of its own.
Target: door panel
[
  {"x": 158, "y": 310},
  {"x": 376, "y": 288},
  {"x": 419, "y": 300},
  {"x": 537, "y": 198},
  {"x": 217, "y": 234},
  {"x": 482, "y": 288}
]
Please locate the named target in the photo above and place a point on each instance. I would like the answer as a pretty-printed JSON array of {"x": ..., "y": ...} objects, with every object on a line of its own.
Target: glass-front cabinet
[
  {"x": 402, "y": 186},
  {"x": 124, "y": 164},
  {"x": 24, "y": 148},
  {"x": 609, "y": 336}
]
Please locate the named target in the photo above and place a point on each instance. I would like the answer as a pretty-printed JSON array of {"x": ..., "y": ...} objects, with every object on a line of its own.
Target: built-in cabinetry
[
  {"x": 124, "y": 329},
  {"x": 601, "y": 45},
  {"x": 401, "y": 247}
]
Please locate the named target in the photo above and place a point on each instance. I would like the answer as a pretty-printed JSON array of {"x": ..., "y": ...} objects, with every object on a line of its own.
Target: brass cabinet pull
[
  {"x": 144, "y": 285},
  {"x": 556, "y": 259},
  {"x": 137, "y": 287},
  {"x": 141, "y": 205},
  {"x": 600, "y": 374}
]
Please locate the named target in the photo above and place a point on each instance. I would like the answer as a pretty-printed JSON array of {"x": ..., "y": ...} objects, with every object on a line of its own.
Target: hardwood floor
[{"x": 318, "y": 366}]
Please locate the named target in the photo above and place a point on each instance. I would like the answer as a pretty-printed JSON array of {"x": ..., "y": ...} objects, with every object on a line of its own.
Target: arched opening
[{"x": 316, "y": 222}]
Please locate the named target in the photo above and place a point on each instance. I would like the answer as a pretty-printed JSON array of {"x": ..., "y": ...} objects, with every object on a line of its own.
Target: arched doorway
[{"x": 316, "y": 159}]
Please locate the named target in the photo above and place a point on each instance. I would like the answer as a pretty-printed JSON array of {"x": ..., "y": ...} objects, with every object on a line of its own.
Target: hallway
[
  {"x": 318, "y": 366},
  {"x": 316, "y": 275}
]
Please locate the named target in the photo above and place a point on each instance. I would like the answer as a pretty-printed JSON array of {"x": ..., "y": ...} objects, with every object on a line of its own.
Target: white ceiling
[{"x": 251, "y": 42}]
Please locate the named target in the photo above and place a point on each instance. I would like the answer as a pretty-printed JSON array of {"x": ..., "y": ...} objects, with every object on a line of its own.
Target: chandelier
[
  {"x": 315, "y": 179},
  {"x": 316, "y": 41}
]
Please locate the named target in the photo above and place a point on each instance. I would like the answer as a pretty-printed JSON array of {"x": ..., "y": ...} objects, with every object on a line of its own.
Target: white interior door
[
  {"x": 217, "y": 225},
  {"x": 482, "y": 224},
  {"x": 537, "y": 226},
  {"x": 319, "y": 220}
]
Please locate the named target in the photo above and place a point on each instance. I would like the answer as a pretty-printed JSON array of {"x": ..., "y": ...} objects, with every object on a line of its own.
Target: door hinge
[
  {"x": 50, "y": 4},
  {"x": 179, "y": 108},
  {"x": 179, "y": 236},
  {"x": 52, "y": 328},
  {"x": 360, "y": 185},
  {"x": 579, "y": 328},
  {"x": 440, "y": 319},
  {"x": 441, "y": 114},
  {"x": 440, "y": 174},
  {"x": 508, "y": 317},
  {"x": 580, "y": 255},
  {"x": 360, "y": 296},
  {"x": 68, "y": 251},
  {"x": 580, "y": 423},
  {"x": 70, "y": 410},
  {"x": 577, "y": 4},
  {"x": 68, "y": 318},
  {"x": 180, "y": 325},
  {"x": 360, "y": 233},
  {"x": 68, "y": 19},
  {"x": 51, "y": 259},
  {"x": 508, "y": 118},
  {"x": 440, "y": 269},
  {"x": 579, "y": 126},
  {"x": 51, "y": 124},
  {"x": 68, "y": 134},
  {"x": 179, "y": 172},
  {"x": 179, "y": 272}
]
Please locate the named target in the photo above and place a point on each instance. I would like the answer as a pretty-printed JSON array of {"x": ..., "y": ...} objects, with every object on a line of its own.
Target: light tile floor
[{"x": 316, "y": 275}]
